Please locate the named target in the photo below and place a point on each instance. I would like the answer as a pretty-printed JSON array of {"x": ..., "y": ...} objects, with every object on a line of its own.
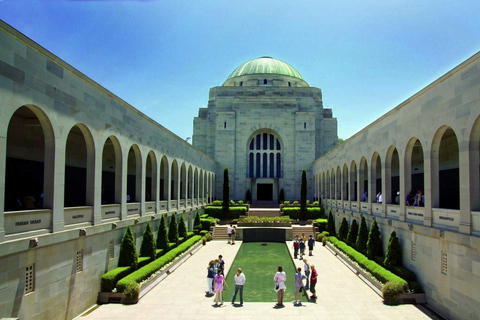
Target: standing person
[
  {"x": 29, "y": 202},
  {"x": 229, "y": 233},
  {"x": 221, "y": 266},
  {"x": 295, "y": 248},
  {"x": 365, "y": 197},
  {"x": 216, "y": 265},
  {"x": 397, "y": 198},
  {"x": 299, "y": 277},
  {"x": 280, "y": 278},
  {"x": 302, "y": 249},
  {"x": 210, "y": 278},
  {"x": 313, "y": 282},
  {"x": 418, "y": 199},
  {"x": 234, "y": 234},
  {"x": 306, "y": 268},
  {"x": 311, "y": 243},
  {"x": 239, "y": 282},
  {"x": 219, "y": 282},
  {"x": 380, "y": 197}
]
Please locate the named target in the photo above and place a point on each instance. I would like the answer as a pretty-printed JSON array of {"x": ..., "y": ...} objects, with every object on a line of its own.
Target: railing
[
  {"x": 346, "y": 205},
  {"x": 415, "y": 214},
  {"x": 27, "y": 220},
  {"x": 111, "y": 211},
  {"x": 355, "y": 207},
  {"x": 75, "y": 215},
  {"x": 364, "y": 207},
  {"x": 174, "y": 204},
  {"x": 377, "y": 209}
]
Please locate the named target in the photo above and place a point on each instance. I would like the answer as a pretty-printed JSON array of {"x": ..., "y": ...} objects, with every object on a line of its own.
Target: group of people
[
  {"x": 299, "y": 245},
  {"x": 280, "y": 287},
  {"x": 412, "y": 199},
  {"x": 216, "y": 281},
  {"x": 232, "y": 233}
]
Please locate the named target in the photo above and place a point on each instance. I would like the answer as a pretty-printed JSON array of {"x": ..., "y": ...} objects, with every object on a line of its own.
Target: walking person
[
  {"x": 221, "y": 264},
  {"x": 210, "y": 278},
  {"x": 219, "y": 282},
  {"x": 234, "y": 234},
  {"x": 280, "y": 278},
  {"x": 299, "y": 277},
  {"x": 311, "y": 243},
  {"x": 313, "y": 282},
  {"x": 229, "y": 233},
  {"x": 306, "y": 268},
  {"x": 239, "y": 282},
  {"x": 302, "y": 248},
  {"x": 295, "y": 248}
]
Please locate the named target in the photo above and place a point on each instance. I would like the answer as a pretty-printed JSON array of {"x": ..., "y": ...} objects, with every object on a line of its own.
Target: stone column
[
  {"x": 94, "y": 181},
  {"x": 3, "y": 156},
  {"x": 371, "y": 186},
  {"x": 121, "y": 192},
  {"x": 405, "y": 180},
  {"x": 141, "y": 177},
  {"x": 54, "y": 181},
  {"x": 157, "y": 180},
  {"x": 386, "y": 187},
  {"x": 431, "y": 181},
  {"x": 466, "y": 178}
]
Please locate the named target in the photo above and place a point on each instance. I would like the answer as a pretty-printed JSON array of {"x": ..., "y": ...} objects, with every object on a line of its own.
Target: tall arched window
[{"x": 262, "y": 164}]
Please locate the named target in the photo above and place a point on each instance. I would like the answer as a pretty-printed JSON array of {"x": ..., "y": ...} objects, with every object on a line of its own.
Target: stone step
[{"x": 264, "y": 212}]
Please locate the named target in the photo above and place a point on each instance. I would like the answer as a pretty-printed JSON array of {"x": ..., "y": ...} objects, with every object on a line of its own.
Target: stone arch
[
  {"x": 164, "y": 178},
  {"x": 264, "y": 154},
  {"x": 151, "y": 173},
  {"x": 392, "y": 176},
  {"x": 79, "y": 167},
  {"x": 353, "y": 181},
  {"x": 29, "y": 174},
  {"x": 111, "y": 171},
  {"x": 134, "y": 174},
  {"x": 445, "y": 169}
]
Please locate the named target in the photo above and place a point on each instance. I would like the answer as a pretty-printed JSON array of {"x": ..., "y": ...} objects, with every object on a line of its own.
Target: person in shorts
[
  {"x": 311, "y": 243},
  {"x": 295, "y": 248},
  {"x": 313, "y": 282},
  {"x": 302, "y": 248},
  {"x": 299, "y": 277},
  {"x": 229, "y": 233}
]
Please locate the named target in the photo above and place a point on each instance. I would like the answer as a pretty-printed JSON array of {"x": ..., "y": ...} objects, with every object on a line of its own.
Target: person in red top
[{"x": 313, "y": 282}]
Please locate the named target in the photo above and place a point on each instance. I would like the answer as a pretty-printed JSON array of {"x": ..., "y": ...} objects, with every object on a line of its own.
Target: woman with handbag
[{"x": 280, "y": 278}]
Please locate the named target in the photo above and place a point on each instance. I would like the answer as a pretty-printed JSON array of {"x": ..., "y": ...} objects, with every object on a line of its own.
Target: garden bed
[
  {"x": 406, "y": 298},
  {"x": 119, "y": 297}
]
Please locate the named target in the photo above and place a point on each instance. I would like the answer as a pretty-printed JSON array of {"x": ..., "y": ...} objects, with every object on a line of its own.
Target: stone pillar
[
  {"x": 371, "y": 187},
  {"x": 54, "y": 181},
  {"x": 157, "y": 180},
  {"x": 431, "y": 181},
  {"x": 3, "y": 156},
  {"x": 121, "y": 192},
  {"x": 386, "y": 186},
  {"x": 405, "y": 180},
  {"x": 141, "y": 177},
  {"x": 465, "y": 185},
  {"x": 94, "y": 182}
]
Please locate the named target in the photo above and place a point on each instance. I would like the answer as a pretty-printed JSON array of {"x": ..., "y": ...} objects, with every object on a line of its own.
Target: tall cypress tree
[
  {"x": 362, "y": 236},
  {"x": 197, "y": 224},
  {"x": 226, "y": 193},
  {"x": 147, "y": 249},
  {"x": 343, "y": 230},
  {"x": 374, "y": 243},
  {"x": 393, "y": 257},
  {"x": 182, "y": 228},
  {"x": 331, "y": 224},
  {"x": 173, "y": 229},
  {"x": 128, "y": 251},
  {"x": 303, "y": 196},
  {"x": 162, "y": 235},
  {"x": 352, "y": 233}
]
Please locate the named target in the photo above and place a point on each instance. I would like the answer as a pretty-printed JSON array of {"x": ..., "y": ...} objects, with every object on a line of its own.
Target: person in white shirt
[
  {"x": 229, "y": 233},
  {"x": 239, "y": 282}
]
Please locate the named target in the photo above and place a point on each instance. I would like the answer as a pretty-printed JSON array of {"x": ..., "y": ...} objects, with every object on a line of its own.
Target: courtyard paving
[{"x": 341, "y": 295}]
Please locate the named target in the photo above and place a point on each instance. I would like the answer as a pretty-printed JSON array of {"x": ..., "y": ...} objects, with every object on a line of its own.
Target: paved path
[{"x": 341, "y": 295}]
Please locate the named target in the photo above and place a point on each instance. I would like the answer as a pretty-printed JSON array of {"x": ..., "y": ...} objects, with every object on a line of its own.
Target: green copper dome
[{"x": 265, "y": 65}]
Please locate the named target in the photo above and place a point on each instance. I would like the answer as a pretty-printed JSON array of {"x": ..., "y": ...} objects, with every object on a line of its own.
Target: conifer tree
[
  {"x": 182, "y": 228},
  {"x": 303, "y": 196},
  {"x": 393, "y": 257},
  {"x": 343, "y": 230},
  {"x": 374, "y": 243},
  {"x": 352, "y": 233},
  {"x": 226, "y": 193},
  {"x": 147, "y": 249},
  {"x": 128, "y": 251},
  {"x": 331, "y": 225},
  {"x": 173, "y": 229},
  {"x": 362, "y": 236},
  {"x": 197, "y": 224},
  {"x": 162, "y": 235}
]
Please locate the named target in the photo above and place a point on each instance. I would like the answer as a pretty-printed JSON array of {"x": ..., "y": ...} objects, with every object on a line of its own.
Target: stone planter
[
  {"x": 265, "y": 225},
  {"x": 406, "y": 298}
]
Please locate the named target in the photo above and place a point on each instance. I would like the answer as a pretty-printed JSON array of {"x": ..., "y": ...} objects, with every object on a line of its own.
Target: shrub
[
  {"x": 173, "y": 229},
  {"x": 324, "y": 240},
  {"x": 295, "y": 213},
  {"x": 326, "y": 233},
  {"x": 352, "y": 233},
  {"x": 182, "y": 228},
  {"x": 171, "y": 245},
  {"x": 226, "y": 192},
  {"x": 404, "y": 273},
  {"x": 295, "y": 203},
  {"x": 320, "y": 237},
  {"x": 204, "y": 240},
  {"x": 208, "y": 236},
  {"x": 240, "y": 202},
  {"x": 362, "y": 236},
  {"x": 109, "y": 280},
  {"x": 147, "y": 249},
  {"x": 196, "y": 223},
  {"x": 343, "y": 230},
  {"x": 322, "y": 224},
  {"x": 379, "y": 272},
  {"x": 286, "y": 202},
  {"x": 142, "y": 261},
  {"x": 162, "y": 236},
  {"x": 392, "y": 290},
  {"x": 132, "y": 290},
  {"x": 159, "y": 252},
  {"x": 233, "y": 212},
  {"x": 374, "y": 243},
  {"x": 203, "y": 232},
  {"x": 315, "y": 203},
  {"x": 217, "y": 203},
  {"x": 190, "y": 234},
  {"x": 331, "y": 224},
  {"x": 145, "y": 272},
  {"x": 128, "y": 251},
  {"x": 393, "y": 256}
]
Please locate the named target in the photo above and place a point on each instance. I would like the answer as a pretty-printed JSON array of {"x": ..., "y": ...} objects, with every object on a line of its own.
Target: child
[
  {"x": 299, "y": 277},
  {"x": 219, "y": 282}
]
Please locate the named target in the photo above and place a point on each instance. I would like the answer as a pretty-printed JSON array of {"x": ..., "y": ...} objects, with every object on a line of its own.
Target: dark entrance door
[{"x": 264, "y": 192}]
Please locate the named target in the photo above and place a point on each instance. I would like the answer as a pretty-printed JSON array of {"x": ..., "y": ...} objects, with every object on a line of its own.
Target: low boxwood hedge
[
  {"x": 233, "y": 212},
  {"x": 190, "y": 234},
  {"x": 143, "y": 261},
  {"x": 294, "y": 212},
  {"x": 379, "y": 272},
  {"x": 203, "y": 232},
  {"x": 159, "y": 253},
  {"x": 109, "y": 280},
  {"x": 145, "y": 272}
]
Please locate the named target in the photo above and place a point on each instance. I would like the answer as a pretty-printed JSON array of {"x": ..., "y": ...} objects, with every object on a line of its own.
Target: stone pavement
[{"x": 341, "y": 295}]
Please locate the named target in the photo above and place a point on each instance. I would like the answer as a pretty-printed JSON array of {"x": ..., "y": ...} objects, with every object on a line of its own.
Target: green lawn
[{"x": 259, "y": 264}]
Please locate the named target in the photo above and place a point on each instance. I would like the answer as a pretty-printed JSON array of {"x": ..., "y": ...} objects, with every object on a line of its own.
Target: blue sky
[{"x": 162, "y": 57}]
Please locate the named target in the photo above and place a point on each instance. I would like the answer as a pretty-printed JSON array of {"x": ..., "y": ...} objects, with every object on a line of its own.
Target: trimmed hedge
[
  {"x": 379, "y": 272},
  {"x": 295, "y": 212},
  {"x": 233, "y": 212},
  {"x": 190, "y": 234},
  {"x": 206, "y": 222},
  {"x": 145, "y": 272},
  {"x": 322, "y": 224},
  {"x": 159, "y": 253},
  {"x": 109, "y": 280},
  {"x": 143, "y": 261},
  {"x": 203, "y": 232}
]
